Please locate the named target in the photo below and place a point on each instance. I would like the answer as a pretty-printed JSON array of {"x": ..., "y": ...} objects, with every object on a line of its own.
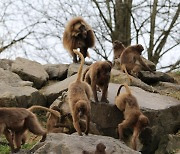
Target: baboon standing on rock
[
  {"x": 133, "y": 117},
  {"x": 78, "y": 34},
  {"x": 79, "y": 93},
  {"x": 98, "y": 75}
]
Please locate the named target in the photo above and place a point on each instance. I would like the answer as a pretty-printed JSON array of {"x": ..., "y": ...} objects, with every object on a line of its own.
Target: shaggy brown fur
[
  {"x": 131, "y": 61},
  {"x": 133, "y": 117},
  {"x": 15, "y": 121},
  {"x": 98, "y": 75},
  {"x": 78, "y": 34},
  {"x": 79, "y": 94}
]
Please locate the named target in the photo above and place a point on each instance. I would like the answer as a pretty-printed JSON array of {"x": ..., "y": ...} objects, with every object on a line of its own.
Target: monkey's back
[
  {"x": 12, "y": 117},
  {"x": 77, "y": 90}
]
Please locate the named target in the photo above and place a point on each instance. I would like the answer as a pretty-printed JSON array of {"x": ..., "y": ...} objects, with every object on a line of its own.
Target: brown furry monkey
[
  {"x": 98, "y": 75},
  {"x": 131, "y": 61},
  {"x": 100, "y": 149},
  {"x": 118, "y": 48},
  {"x": 53, "y": 122},
  {"x": 79, "y": 94},
  {"x": 78, "y": 34},
  {"x": 15, "y": 121},
  {"x": 133, "y": 117}
]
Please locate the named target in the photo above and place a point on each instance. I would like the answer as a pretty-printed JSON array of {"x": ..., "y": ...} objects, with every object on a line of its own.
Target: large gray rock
[
  {"x": 25, "y": 96},
  {"x": 57, "y": 71},
  {"x": 12, "y": 79},
  {"x": 74, "y": 144},
  {"x": 169, "y": 144},
  {"x": 73, "y": 69},
  {"x": 5, "y": 64},
  {"x": 54, "y": 90},
  {"x": 16, "y": 92},
  {"x": 151, "y": 78},
  {"x": 120, "y": 77},
  {"x": 31, "y": 71}
]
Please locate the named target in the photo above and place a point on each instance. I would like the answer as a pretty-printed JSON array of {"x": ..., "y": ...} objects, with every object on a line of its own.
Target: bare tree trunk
[
  {"x": 122, "y": 30},
  {"x": 152, "y": 30}
]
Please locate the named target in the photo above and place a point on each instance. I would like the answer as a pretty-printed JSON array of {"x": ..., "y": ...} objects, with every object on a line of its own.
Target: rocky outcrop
[
  {"x": 24, "y": 83},
  {"x": 74, "y": 144},
  {"x": 30, "y": 71},
  {"x": 56, "y": 71},
  {"x": 151, "y": 78},
  {"x": 16, "y": 92}
]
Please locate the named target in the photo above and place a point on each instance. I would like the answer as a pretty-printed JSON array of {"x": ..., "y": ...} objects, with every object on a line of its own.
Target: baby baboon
[
  {"x": 100, "y": 149},
  {"x": 78, "y": 34},
  {"x": 15, "y": 121},
  {"x": 79, "y": 93},
  {"x": 98, "y": 75},
  {"x": 131, "y": 61},
  {"x": 118, "y": 48},
  {"x": 133, "y": 117}
]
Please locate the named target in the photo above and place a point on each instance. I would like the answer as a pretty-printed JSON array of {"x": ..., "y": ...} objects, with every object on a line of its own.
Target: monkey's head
[
  {"x": 117, "y": 45},
  {"x": 79, "y": 30},
  {"x": 144, "y": 121},
  {"x": 100, "y": 147},
  {"x": 106, "y": 68},
  {"x": 139, "y": 48}
]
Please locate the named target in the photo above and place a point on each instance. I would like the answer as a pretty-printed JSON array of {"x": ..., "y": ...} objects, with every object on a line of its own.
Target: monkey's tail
[
  {"x": 56, "y": 113},
  {"x": 127, "y": 89},
  {"x": 81, "y": 65},
  {"x": 119, "y": 89}
]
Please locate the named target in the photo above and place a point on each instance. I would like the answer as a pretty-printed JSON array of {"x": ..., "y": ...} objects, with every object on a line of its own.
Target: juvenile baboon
[
  {"x": 118, "y": 48},
  {"x": 54, "y": 124},
  {"x": 15, "y": 121},
  {"x": 133, "y": 117},
  {"x": 100, "y": 149},
  {"x": 78, "y": 34},
  {"x": 131, "y": 61},
  {"x": 79, "y": 94},
  {"x": 98, "y": 75}
]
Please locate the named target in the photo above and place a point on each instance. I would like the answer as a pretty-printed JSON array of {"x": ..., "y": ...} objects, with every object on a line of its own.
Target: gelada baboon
[
  {"x": 118, "y": 48},
  {"x": 79, "y": 93},
  {"x": 15, "y": 121},
  {"x": 131, "y": 61},
  {"x": 54, "y": 124},
  {"x": 133, "y": 117},
  {"x": 100, "y": 149},
  {"x": 78, "y": 34},
  {"x": 98, "y": 75}
]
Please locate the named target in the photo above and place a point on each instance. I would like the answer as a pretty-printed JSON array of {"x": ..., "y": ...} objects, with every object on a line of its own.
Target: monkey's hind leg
[
  {"x": 76, "y": 122},
  {"x": 123, "y": 68}
]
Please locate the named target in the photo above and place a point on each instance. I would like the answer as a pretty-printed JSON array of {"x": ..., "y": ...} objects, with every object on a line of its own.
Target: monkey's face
[
  {"x": 107, "y": 68},
  {"x": 80, "y": 30},
  {"x": 117, "y": 44}
]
